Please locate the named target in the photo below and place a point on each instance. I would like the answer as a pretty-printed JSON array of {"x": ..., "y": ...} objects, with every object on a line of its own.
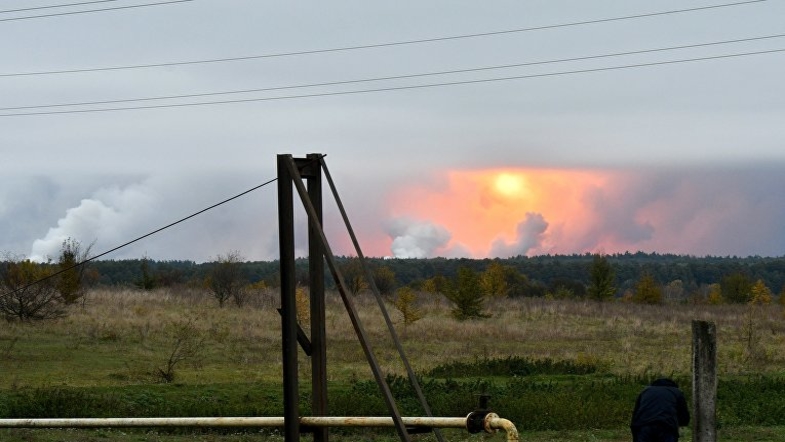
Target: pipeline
[{"x": 491, "y": 422}]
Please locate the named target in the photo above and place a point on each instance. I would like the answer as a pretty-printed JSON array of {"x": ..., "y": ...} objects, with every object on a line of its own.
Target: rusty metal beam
[
  {"x": 291, "y": 397},
  {"x": 313, "y": 173}
]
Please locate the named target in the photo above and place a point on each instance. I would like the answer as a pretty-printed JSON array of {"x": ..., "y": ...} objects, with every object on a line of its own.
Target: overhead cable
[
  {"x": 87, "y": 11},
  {"x": 399, "y": 88},
  {"x": 380, "y": 45},
  {"x": 62, "y": 5},
  {"x": 394, "y": 77},
  {"x": 114, "y": 249}
]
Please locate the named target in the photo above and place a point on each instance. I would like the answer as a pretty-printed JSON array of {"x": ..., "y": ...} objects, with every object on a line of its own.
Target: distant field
[{"x": 111, "y": 351}]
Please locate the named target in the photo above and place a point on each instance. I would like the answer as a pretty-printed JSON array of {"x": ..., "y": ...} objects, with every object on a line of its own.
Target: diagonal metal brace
[{"x": 347, "y": 301}]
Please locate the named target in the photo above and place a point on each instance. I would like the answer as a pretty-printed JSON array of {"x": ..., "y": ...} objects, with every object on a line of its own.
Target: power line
[
  {"x": 114, "y": 249},
  {"x": 380, "y": 45},
  {"x": 399, "y": 88},
  {"x": 86, "y": 11},
  {"x": 395, "y": 77},
  {"x": 63, "y": 5}
]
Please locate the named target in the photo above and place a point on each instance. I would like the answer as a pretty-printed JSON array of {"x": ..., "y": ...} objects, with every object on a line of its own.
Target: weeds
[{"x": 187, "y": 342}]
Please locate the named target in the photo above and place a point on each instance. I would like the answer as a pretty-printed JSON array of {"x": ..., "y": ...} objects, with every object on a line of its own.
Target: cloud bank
[
  {"x": 455, "y": 213},
  {"x": 697, "y": 211}
]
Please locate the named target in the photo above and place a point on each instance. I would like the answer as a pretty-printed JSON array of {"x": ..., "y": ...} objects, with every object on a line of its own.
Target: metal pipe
[{"x": 492, "y": 422}]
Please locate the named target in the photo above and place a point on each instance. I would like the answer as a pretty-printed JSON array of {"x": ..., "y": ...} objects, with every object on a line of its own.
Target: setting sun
[
  {"x": 508, "y": 184},
  {"x": 480, "y": 208}
]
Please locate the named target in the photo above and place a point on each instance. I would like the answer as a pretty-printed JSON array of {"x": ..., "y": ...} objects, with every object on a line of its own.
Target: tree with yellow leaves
[
  {"x": 493, "y": 281},
  {"x": 760, "y": 294},
  {"x": 404, "y": 302},
  {"x": 647, "y": 291},
  {"x": 715, "y": 295}
]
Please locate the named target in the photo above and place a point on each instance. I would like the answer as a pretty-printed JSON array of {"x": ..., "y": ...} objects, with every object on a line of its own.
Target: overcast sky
[{"x": 671, "y": 151}]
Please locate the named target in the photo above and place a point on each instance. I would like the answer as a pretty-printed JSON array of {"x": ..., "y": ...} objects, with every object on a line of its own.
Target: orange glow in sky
[{"x": 479, "y": 207}]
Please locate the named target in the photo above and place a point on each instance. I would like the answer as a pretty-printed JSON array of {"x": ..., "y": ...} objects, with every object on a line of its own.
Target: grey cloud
[{"x": 695, "y": 210}]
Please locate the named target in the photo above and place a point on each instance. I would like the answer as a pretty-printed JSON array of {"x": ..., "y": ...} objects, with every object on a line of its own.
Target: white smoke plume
[
  {"x": 416, "y": 239},
  {"x": 114, "y": 215}
]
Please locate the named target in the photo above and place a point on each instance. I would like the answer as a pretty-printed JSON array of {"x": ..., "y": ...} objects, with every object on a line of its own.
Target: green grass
[{"x": 560, "y": 370}]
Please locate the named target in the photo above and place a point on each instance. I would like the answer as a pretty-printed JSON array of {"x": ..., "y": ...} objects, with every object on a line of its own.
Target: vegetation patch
[{"x": 511, "y": 366}]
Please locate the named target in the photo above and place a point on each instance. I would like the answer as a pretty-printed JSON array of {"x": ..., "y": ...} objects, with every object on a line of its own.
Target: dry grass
[{"x": 122, "y": 336}]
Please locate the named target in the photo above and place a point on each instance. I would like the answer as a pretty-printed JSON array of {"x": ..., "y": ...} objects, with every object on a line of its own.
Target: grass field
[{"x": 113, "y": 348}]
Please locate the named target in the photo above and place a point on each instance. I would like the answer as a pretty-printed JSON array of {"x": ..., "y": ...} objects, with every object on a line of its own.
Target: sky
[{"x": 450, "y": 128}]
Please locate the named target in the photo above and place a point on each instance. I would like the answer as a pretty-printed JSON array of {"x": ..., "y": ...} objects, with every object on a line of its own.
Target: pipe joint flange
[{"x": 475, "y": 421}]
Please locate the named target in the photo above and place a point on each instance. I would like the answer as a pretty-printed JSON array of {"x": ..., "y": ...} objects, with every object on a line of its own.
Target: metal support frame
[
  {"x": 288, "y": 174},
  {"x": 310, "y": 170}
]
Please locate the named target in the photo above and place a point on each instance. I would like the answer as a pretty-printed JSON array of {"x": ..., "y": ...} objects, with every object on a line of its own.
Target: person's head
[{"x": 664, "y": 382}]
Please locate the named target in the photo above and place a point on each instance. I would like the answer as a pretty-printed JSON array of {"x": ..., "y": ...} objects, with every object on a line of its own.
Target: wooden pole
[{"x": 704, "y": 381}]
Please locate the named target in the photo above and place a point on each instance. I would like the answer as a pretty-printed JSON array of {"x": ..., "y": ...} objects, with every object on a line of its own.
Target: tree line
[
  {"x": 466, "y": 283},
  {"x": 530, "y": 276}
]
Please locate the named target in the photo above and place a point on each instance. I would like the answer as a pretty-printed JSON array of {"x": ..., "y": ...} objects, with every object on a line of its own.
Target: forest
[{"x": 538, "y": 276}]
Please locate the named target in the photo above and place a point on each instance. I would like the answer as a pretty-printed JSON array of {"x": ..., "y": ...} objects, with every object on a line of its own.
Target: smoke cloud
[
  {"x": 416, "y": 239},
  {"x": 530, "y": 234},
  {"x": 114, "y": 215}
]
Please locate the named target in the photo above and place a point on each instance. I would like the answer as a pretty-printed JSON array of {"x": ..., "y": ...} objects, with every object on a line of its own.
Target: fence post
[{"x": 704, "y": 381}]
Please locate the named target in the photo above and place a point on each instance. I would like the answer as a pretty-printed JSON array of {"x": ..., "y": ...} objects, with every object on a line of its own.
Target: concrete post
[{"x": 704, "y": 381}]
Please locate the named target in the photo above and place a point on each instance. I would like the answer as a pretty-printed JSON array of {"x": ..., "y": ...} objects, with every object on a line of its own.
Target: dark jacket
[{"x": 661, "y": 404}]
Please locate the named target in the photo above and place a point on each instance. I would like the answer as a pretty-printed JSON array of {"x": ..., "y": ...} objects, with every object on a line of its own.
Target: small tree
[
  {"x": 225, "y": 278},
  {"x": 715, "y": 295},
  {"x": 751, "y": 329},
  {"x": 186, "y": 344},
  {"x": 302, "y": 305},
  {"x": 602, "y": 276},
  {"x": 760, "y": 294},
  {"x": 647, "y": 291},
  {"x": 405, "y": 304},
  {"x": 384, "y": 278},
  {"x": 354, "y": 276},
  {"x": 467, "y": 296},
  {"x": 72, "y": 267},
  {"x": 28, "y": 291},
  {"x": 736, "y": 288},
  {"x": 493, "y": 281},
  {"x": 147, "y": 280}
]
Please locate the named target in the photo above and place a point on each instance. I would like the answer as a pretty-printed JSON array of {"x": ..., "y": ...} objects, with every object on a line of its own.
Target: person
[{"x": 660, "y": 410}]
